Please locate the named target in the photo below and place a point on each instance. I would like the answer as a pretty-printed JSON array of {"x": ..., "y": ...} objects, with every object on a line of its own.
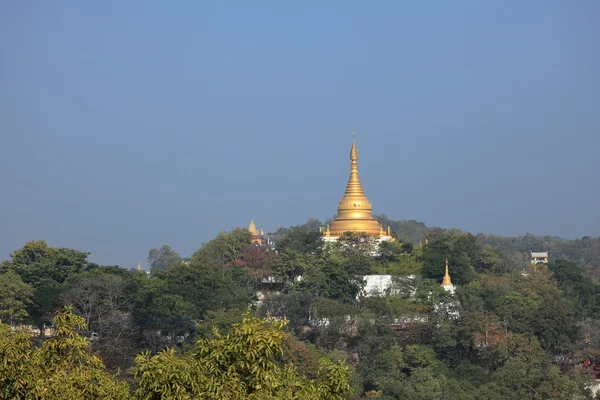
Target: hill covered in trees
[
  {"x": 197, "y": 328},
  {"x": 584, "y": 251}
]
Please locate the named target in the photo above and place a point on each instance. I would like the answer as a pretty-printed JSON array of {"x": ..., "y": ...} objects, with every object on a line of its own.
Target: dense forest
[{"x": 291, "y": 320}]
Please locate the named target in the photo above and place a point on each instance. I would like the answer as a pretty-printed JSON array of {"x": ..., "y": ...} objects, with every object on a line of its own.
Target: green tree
[
  {"x": 46, "y": 269},
  {"x": 437, "y": 252},
  {"x": 160, "y": 309},
  {"x": 170, "y": 303},
  {"x": 209, "y": 288},
  {"x": 15, "y": 296},
  {"x": 244, "y": 364},
  {"x": 583, "y": 291},
  {"x": 528, "y": 373},
  {"x": 225, "y": 248},
  {"x": 291, "y": 264},
  {"x": 294, "y": 306},
  {"x": 61, "y": 368},
  {"x": 37, "y": 262},
  {"x": 162, "y": 258},
  {"x": 330, "y": 277},
  {"x": 299, "y": 239},
  {"x": 396, "y": 258}
]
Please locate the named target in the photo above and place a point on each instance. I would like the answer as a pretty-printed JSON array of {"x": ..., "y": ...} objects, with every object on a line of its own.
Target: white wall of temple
[{"x": 450, "y": 289}]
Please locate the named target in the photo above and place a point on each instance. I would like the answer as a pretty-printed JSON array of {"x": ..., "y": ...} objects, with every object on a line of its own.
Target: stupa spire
[
  {"x": 446, "y": 282},
  {"x": 354, "y": 187},
  {"x": 354, "y": 210}
]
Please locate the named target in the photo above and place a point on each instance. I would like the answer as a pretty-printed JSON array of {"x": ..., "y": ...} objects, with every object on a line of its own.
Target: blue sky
[{"x": 128, "y": 125}]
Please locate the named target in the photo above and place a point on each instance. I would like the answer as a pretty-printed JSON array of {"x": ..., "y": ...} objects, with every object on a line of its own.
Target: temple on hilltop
[
  {"x": 538, "y": 257},
  {"x": 257, "y": 237},
  {"x": 355, "y": 213}
]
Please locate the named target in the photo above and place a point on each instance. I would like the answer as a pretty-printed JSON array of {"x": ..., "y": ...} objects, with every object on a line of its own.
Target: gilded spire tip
[{"x": 353, "y": 150}]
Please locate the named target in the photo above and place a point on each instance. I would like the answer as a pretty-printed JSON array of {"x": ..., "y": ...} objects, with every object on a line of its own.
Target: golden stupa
[
  {"x": 252, "y": 228},
  {"x": 354, "y": 210},
  {"x": 446, "y": 282}
]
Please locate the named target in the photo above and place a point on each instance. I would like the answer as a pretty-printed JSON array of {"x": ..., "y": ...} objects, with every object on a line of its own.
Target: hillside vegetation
[{"x": 195, "y": 327}]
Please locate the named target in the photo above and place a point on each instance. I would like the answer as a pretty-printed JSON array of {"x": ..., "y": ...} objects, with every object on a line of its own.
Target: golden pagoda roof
[
  {"x": 354, "y": 210},
  {"x": 446, "y": 282},
  {"x": 252, "y": 228}
]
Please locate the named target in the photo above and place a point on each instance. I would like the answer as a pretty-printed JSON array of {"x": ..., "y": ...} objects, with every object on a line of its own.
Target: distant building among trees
[{"x": 539, "y": 257}]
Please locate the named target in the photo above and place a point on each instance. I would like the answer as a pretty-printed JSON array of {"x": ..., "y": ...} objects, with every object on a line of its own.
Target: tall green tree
[
  {"x": 162, "y": 258},
  {"x": 15, "y": 296},
  {"x": 36, "y": 262},
  {"x": 299, "y": 239},
  {"x": 46, "y": 269},
  {"x": 225, "y": 248}
]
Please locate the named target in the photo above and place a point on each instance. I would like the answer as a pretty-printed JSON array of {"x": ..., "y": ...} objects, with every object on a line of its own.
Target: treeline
[
  {"x": 244, "y": 364},
  {"x": 504, "y": 334},
  {"x": 584, "y": 251}
]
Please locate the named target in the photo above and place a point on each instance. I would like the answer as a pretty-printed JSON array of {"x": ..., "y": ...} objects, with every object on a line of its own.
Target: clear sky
[{"x": 125, "y": 125}]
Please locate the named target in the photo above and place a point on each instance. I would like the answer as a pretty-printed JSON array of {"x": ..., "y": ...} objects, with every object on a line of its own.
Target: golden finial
[
  {"x": 327, "y": 232},
  {"x": 446, "y": 282},
  {"x": 353, "y": 150},
  {"x": 262, "y": 231},
  {"x": 389, "y": 231},
  {"x": 139, "y": 267}
]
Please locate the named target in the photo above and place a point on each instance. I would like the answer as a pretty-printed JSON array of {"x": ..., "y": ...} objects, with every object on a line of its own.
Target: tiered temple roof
[{"x": 355, "y": 213}]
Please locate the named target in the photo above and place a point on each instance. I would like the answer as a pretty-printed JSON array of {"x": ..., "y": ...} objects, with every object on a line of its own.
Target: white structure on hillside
[
  {"x": 539, "y": 257},
  {"x": 383, "y": 285},
  {"x": 377, "y": 285}
]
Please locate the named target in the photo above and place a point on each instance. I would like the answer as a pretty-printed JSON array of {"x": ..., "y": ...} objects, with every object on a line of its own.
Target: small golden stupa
[
  {"x": 256, "y": 235},
  {"x": 252, "y": 228},
  {"x": 354, "y": 210},
  {"x": 446, "y": 282}
]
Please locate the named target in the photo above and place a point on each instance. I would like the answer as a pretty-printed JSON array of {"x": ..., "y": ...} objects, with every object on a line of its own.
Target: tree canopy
[{"x": 508, "y": 331}]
